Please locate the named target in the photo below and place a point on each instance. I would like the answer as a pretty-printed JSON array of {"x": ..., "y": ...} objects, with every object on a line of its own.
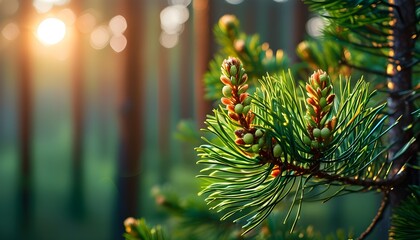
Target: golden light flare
[{"x": 51, "y": 31}]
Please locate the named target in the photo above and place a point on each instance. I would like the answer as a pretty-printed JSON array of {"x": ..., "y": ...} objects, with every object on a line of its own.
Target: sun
[{"x": 51, "y": 31}]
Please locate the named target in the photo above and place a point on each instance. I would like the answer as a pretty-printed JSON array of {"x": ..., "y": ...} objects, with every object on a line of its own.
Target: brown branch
[
  {"x": 383, "y": 184},
  {"x": 378, "y": 216}
]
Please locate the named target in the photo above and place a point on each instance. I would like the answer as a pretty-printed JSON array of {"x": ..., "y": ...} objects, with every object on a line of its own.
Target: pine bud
[
  {"x": 277, "y": 151},
  {"x": 233, "y": 80},
  {"x": 315, "y": 144},
  {"x": 322, "y": 102},
  {"x": 246, "y": 109},
  {"x": 238, "y": 108},
  {"x": 233, "y": 70},
  {"x": 227, "y": 91},
  {"x": 247, "y": 101},
  {"x": 242, "y": 71},
  {"x": 325, "y": 133},
  {"x": 323, "y": 77},
  {"x": 326, "y": 91},
  {"x": 317, "y": 132},
  {"x": 259, "y": 133},
  {"x": 248, "y": 138},
  {"x": 228, "y": 24},
  {"x": 255, "y": 148},
  {"x": 261, "y": 142}
]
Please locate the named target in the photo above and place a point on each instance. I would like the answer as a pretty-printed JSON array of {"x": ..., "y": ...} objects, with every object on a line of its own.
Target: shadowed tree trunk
[
  {"x": 399, "y": 84},
  {"x": 300, "y": 18},
  {"x": 186, "y": 72},
  {"x": 202, "y": 29},
  {"x": 131, "y": 117},
  {"x": 77, "y": 198},
  {"x": 164, "y": 110},
  {"x": 25, "y": 119}
]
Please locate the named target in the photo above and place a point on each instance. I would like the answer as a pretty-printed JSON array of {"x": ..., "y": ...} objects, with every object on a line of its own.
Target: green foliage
[
  {"x": 259, "y": 58},
  {"x": 272, "y": 230},
  {"x": 406, "y": 218},
  {"x": 323, "y": 54},
  {"x": 365, "y": 28},
  {"x": 186, "y": 132},
  {"x": 246, "y": 183},
  {"x": 190, "y": 218},
  {"x": 289, "y": 149},
  {"x": 137, "y": 229}
]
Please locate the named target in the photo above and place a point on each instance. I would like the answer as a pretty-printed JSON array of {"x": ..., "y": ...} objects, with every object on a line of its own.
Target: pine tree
[
  {"x": 287, "y": 140},
  {"x": 276, "y": 141}
]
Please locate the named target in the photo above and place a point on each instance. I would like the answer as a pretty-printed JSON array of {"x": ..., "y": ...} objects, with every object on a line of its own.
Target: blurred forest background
[{"x": 98, "y": 116}]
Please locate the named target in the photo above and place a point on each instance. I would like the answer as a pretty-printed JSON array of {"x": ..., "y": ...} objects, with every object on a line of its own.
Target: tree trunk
[
  {"x": 25, "y": 119},
  {"x": 400, "y": 87},
  {"x": 76, "y": 204},
  {"x": 202, "y": 29},
  {"x": 131, "y": 117},
  {"x": 164, "y": 109}
]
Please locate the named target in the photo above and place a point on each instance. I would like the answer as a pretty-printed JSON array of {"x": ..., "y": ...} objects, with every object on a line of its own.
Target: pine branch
[
  {"x": 378, "y": 217},
  {"x": 275, "y": 143}
]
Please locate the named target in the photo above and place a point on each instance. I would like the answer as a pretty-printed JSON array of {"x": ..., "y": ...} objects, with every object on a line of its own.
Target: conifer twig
[{"x": 377, "y": 217}]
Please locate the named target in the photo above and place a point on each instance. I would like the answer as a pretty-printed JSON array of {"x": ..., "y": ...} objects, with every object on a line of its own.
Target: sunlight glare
[{"x": 51, "y": 31}]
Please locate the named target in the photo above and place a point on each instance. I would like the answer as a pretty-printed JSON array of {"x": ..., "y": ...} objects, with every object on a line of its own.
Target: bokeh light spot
[
  {"x": 118, "y": 43},
  {"x": 118, "y": 25},
  {"x": 86, "y": 22},
  {"x": 67, "y": 15},
  {"x": 234, "y": 1},
  {"x": 168, "y": 40},
  {"x": 10, "y": 31},
  {"x": 180, "y": 2},
  {"x": 51, "y": 31},
  {"x": 173, "y": 17},
  {"x": 314, "y": 26},
  {"x": 99, "y": 37}
]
